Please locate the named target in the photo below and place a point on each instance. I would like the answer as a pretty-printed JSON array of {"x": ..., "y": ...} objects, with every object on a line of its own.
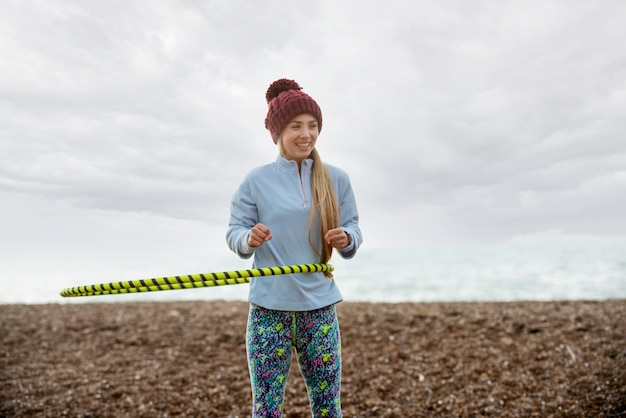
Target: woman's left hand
[{"x": 337, "y": 238}]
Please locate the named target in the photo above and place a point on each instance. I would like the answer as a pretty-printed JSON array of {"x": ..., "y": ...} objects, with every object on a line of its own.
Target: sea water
[
  {"x": 492, "y": 273},
  {"x": 488, "y": 274}
]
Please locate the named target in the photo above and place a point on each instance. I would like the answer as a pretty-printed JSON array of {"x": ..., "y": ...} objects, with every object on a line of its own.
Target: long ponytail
[{"x": 325, "y": 203}]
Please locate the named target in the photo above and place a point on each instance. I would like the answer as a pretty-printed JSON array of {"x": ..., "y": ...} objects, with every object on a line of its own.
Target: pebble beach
[{"x": 188, "y": 359}]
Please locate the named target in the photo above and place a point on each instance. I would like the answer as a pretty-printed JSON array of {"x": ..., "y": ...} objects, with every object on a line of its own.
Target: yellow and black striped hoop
[{"x": 190, "y": 281}]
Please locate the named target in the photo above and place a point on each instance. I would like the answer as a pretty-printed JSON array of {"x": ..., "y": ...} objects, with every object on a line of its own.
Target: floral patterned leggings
[{"x": 315, "y": 337}]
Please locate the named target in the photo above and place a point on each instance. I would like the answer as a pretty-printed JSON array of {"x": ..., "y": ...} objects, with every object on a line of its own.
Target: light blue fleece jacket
[{"x": 277, "y": 196}]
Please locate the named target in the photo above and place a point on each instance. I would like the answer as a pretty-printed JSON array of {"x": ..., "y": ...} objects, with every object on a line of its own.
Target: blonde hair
[{"x": 325, "y": 203}]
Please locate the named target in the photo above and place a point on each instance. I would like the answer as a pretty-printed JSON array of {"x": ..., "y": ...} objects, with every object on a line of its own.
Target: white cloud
[{"x": 459, "y": 121}]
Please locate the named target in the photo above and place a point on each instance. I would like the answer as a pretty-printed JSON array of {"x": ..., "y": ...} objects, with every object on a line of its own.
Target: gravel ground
[{"x": 187, "y": 359}]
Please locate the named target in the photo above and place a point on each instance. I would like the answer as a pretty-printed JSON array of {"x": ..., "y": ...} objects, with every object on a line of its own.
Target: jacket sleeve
[
  {"x": 348, "y": 215},
  {"x": 243, "y": 216}
]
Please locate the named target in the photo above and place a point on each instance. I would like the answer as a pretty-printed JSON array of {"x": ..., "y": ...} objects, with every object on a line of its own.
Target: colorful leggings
[{"x": 315, "y": 336}]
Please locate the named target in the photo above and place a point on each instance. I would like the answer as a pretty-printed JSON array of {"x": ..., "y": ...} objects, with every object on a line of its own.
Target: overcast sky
[{"x": 125, "y": 127}]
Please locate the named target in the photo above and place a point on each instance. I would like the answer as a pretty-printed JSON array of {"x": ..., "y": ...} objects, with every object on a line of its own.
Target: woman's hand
[
  {"x": 259, "y": 234},
  {"x": 337, "y": 238}
]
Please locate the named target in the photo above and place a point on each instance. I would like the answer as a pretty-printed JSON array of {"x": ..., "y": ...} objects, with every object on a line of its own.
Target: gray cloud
[{"x": 478, "y": 122}]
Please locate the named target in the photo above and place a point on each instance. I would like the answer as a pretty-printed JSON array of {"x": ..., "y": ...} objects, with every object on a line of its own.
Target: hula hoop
[{"x": 190, "y": 281}]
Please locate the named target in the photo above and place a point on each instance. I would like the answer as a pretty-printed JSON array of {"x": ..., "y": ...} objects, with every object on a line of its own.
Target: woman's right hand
[{"x": 259, "y": 234}]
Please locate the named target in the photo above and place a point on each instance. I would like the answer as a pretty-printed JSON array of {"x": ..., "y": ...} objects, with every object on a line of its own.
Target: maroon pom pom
[{"x": 279, "y": 86}]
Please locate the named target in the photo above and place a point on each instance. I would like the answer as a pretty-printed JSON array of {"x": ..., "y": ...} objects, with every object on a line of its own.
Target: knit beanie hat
[{"x": 285, "y": 101}]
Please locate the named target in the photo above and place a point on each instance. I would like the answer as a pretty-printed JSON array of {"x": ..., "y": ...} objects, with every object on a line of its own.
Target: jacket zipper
[{"x": 301, "y": 185}]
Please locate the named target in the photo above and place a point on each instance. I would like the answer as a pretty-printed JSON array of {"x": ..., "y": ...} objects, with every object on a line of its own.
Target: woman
[{"x": 295, "y": 210}]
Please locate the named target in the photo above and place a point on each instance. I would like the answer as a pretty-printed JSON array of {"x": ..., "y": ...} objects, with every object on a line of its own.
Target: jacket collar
[{"x": 284, "y": 163}]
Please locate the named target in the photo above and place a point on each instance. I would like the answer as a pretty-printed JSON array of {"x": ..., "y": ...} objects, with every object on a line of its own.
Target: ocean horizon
[{"x": 420, "y": 275}]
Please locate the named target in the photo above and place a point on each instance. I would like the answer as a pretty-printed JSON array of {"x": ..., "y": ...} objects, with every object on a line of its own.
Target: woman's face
[{"x": 298, "y": 138}]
